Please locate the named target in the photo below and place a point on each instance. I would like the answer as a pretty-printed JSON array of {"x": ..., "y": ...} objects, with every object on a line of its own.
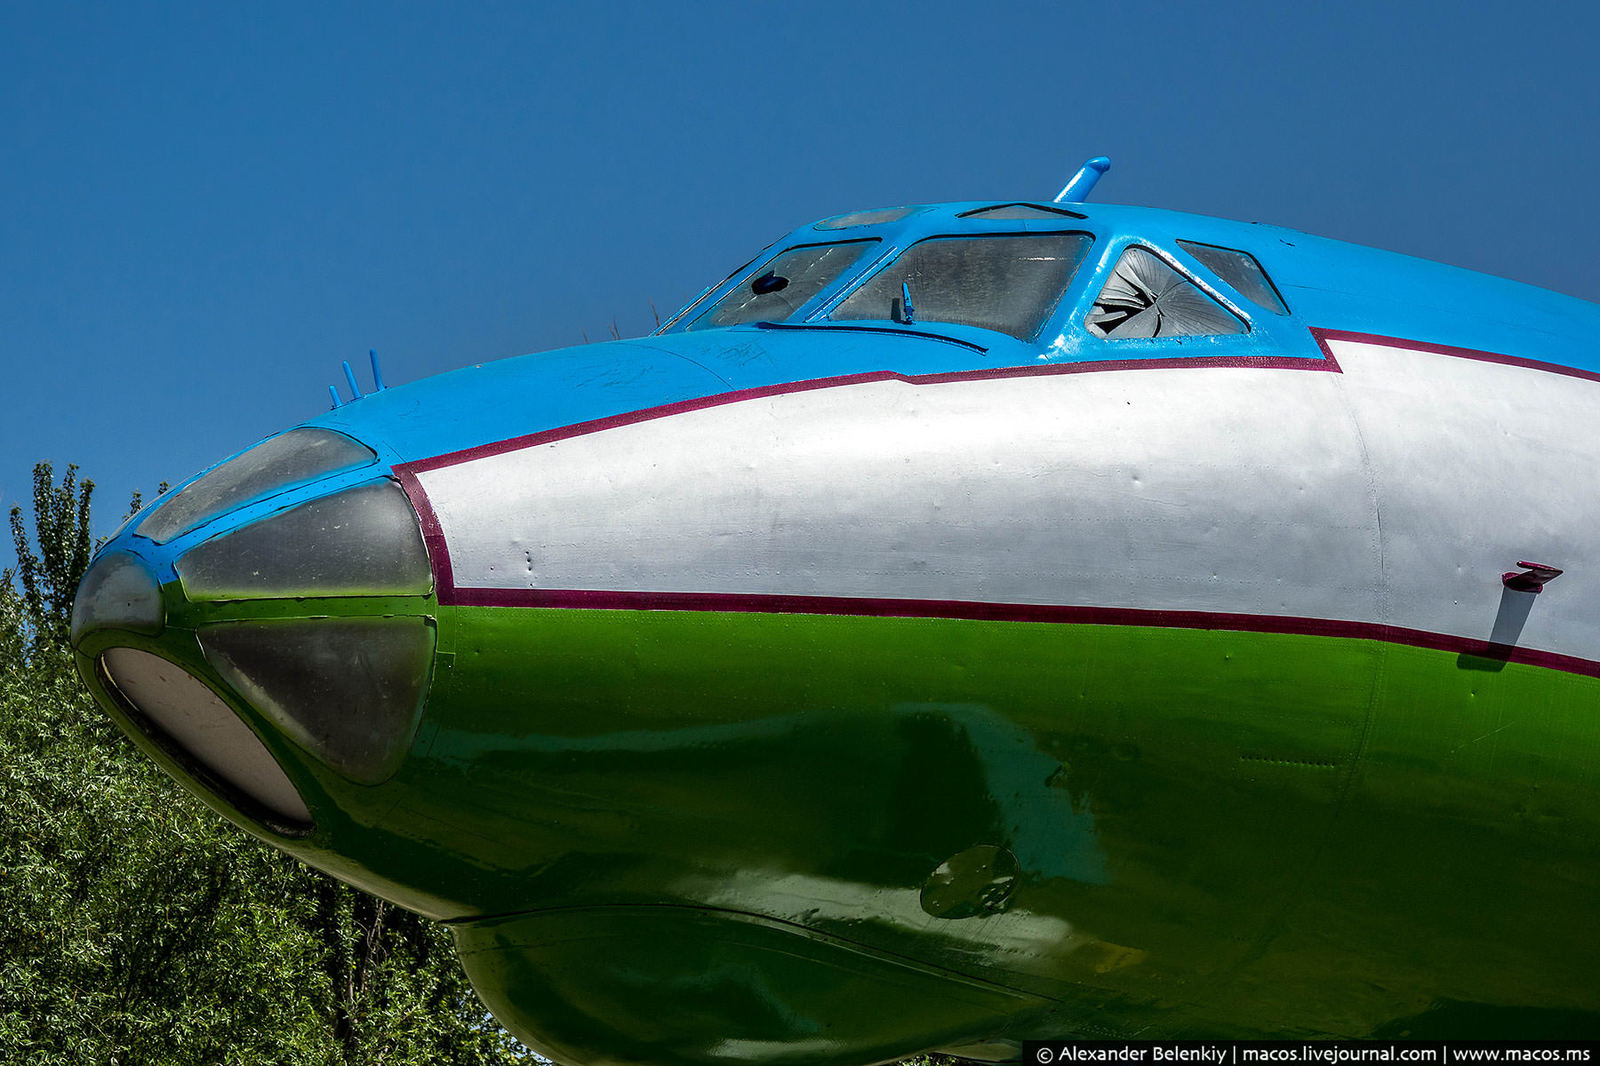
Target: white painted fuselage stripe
[{"x": 1392, "y": 494}]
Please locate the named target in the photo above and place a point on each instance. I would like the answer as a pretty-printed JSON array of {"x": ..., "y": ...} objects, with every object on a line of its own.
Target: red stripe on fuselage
[
  {"x": 602, "y": 599},
  {"x": 984, "y": 611},
  {"x": 720, "y": 399}
]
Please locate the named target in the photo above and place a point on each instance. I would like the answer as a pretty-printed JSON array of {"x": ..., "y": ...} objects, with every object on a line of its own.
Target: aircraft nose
[{"x": 275, "y": 614}]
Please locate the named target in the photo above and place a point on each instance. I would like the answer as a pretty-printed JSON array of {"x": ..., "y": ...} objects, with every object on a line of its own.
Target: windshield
[
  {"x": 1009, "y": 284},
  {"x": 778, "y": 288}
]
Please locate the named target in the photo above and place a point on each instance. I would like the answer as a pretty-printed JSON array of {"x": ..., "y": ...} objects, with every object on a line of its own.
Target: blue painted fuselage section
[{"x": 1325, "y": 283}]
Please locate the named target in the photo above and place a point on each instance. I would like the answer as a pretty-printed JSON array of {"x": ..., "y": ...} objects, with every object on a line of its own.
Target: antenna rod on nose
[
  {"x": 350, "y": 376},
  {"x": 1077, "y": 190}
]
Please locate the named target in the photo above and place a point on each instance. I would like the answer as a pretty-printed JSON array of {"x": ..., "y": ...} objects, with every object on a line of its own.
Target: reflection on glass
[
  {"x": 782, "y": 285},
  {"x": 277, "y": 463},
  {"x": 348, "y": 690},
  {"x": 876, "y": 217},
  {"x": 118, "y": 592},
  {"x": 1240, "y": 270},
  {"x": 1010, "y": 284},
  {"x": 364, "y": 541}
]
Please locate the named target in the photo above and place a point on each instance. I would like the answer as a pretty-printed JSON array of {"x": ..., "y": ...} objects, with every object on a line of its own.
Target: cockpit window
[
  {"x": 1145, "y": 297},
  {"x": 876, "y": 217},
  {"x": 1009, "y": 284},
  {"x": 1240, "y": 270},
  {"x": 778, "y": 288}
]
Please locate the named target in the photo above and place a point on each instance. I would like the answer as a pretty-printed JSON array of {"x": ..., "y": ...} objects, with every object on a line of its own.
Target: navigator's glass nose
[
  {"x": 271, "y": 467},
  {"x": 273, "y": 618},
  {"x": 119, "y": 604}
]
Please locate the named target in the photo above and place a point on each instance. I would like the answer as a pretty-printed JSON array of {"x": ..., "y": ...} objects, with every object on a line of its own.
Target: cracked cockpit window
[
  {"x": 783, "y": 284},
  {"x": 1147, "y": 298},
  {"x": 1010, "y": 284}
]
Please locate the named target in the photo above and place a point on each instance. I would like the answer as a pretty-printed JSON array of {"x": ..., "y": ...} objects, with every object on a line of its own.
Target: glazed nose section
[
  {"x": 117, "y": 592},
  {"x": 363, "y": 541},
  {"x": 347, "y": 691},
  {"x": 276, "y": 464},
  {"x": 346, "y": 684},
  {"x": 119, "y": 595},
  {"x": 296, "y": 615}
]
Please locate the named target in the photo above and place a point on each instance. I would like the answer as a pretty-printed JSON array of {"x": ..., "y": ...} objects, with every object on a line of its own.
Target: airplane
[{"x": 964, "y": 624}]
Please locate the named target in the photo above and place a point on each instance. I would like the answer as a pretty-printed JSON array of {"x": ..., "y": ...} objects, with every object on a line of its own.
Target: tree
[
  {"x": 50, "y": 575},
  {"x": 140, "y": 927},
  {"x": 13, "y": 641}
]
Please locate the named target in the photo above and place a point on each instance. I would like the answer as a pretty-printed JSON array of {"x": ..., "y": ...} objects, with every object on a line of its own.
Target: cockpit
[{"x": 1045, "y": 276}]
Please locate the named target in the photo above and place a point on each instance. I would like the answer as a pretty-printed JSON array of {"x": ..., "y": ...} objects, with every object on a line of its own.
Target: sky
[{"x": 205, "y": 208}]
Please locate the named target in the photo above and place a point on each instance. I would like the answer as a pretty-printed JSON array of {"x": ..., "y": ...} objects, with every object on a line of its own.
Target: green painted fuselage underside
[{"x": 1217, "y": 831}]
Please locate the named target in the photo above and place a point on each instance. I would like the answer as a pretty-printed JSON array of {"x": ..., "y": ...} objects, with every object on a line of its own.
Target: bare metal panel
[
  {"x": 1253, "y": 491},
  {"x": 1477, "y": 465},
  {"x": 1215, "y": 489}
]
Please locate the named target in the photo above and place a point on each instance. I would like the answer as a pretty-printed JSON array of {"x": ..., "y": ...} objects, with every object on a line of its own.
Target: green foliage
[
  {"x": 13, "y": 634},
  {"x": 132, "y": 915},
  {"x": 139, "y": 927}
]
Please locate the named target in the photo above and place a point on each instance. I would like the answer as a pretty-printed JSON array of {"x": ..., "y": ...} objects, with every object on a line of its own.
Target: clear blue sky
[{"x": 204, "y": 208}]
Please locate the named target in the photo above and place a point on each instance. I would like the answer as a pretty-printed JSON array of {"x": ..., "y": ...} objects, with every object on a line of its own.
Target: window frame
[
  {"x": 1114, "y": 246},
  {"x": 684, "y": 321},
  {"x": 1282, "y": 311}
]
